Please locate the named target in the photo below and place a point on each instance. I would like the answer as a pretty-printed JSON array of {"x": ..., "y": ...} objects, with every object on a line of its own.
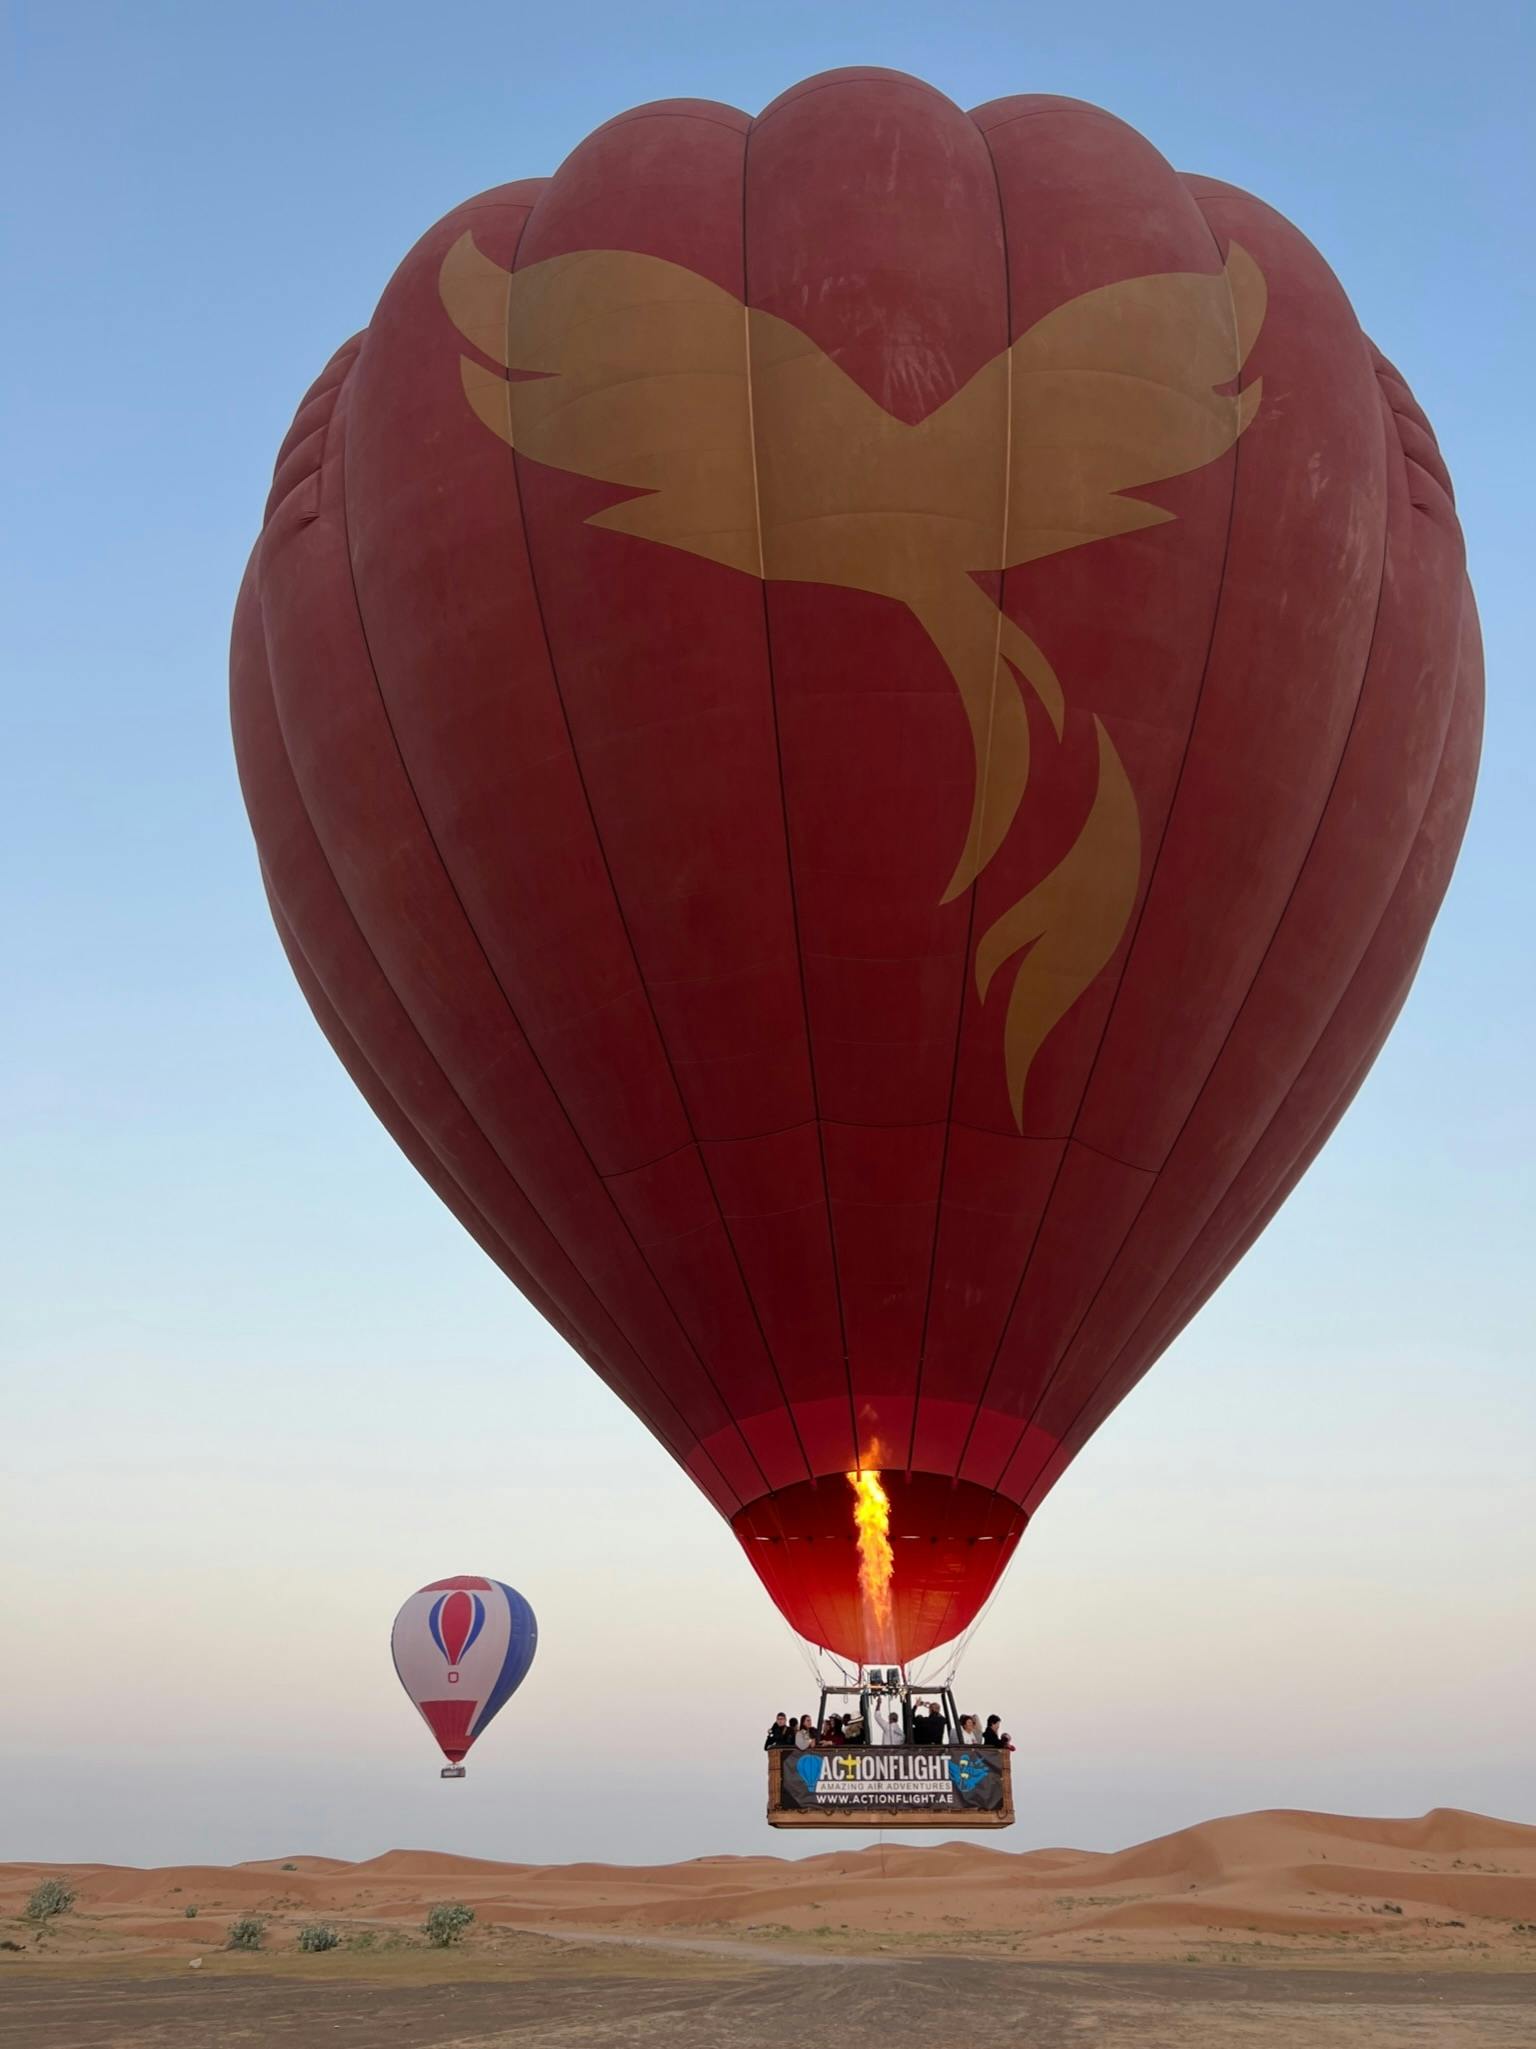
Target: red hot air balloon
[{"x": 855, "y": 723}]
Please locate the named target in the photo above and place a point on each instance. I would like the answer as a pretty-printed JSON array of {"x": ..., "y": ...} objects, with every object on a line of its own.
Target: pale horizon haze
[{"x": 256, "y": 1386}]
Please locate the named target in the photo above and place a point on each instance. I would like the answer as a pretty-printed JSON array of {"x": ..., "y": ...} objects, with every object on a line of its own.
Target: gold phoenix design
[{"x": 752, "y": 448}]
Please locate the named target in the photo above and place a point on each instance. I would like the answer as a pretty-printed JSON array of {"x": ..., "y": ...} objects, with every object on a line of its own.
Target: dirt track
[{"x": 921, "y": 2003}]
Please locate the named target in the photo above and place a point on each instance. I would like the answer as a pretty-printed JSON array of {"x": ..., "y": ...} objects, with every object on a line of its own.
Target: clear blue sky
[{"x": 1297, "y": 1568}]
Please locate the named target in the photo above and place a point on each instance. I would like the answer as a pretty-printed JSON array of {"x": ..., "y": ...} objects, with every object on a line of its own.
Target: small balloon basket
[
  {"x": 452, "y": 1771},
  {"x": 906, "y": 1766}
]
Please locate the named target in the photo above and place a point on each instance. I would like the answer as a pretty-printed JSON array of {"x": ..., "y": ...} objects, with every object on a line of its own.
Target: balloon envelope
[
  {"x": 462, "y": 1647},
  {"x": 855, "y": 723}
]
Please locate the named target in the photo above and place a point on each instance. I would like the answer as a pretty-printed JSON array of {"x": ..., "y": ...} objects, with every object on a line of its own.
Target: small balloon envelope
[{"x": 462, "y": 1647}]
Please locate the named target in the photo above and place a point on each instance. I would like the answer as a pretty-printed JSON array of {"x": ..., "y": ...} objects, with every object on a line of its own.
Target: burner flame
[{"x": 872, "y": 1522}]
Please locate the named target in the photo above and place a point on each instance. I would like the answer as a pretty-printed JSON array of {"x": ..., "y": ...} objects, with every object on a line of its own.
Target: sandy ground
[
  {"x": 924, "y": 2002},
  {"x": 1264, "y": 1929}
]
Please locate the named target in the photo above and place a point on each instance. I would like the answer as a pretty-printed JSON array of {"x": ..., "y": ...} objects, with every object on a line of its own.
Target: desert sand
[
  {"x": 1261, "y": 1928},
  {"x": 1450, "y": 1887}
]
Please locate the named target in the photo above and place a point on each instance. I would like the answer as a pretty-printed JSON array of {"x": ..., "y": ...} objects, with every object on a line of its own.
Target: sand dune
[{"x": 1447, "y": 1885}]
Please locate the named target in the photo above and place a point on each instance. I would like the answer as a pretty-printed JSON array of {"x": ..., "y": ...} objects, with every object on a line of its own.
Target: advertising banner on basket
[{"x": 918, "y": 1778}]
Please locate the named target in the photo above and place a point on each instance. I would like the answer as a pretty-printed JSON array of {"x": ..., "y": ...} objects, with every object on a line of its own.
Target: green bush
[
  {"x": 446, "y": 1922},
  {"x": 190, "y": 1912},
  {"x": 53, "y": 1896},
  {"x": 318, "y": 1935},
  {"x": 246, "y": 1932}
]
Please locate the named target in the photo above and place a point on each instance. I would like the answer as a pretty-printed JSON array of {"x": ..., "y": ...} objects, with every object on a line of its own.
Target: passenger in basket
[
  {"x": 893, "y": 1727},
  {"x": 805, "y": 1734},
  {"x": 927, "y": 1726},
  {"x": 992, "y": 1735},
  {"x": 1006, "y": 1742},
  {"x": 780, "y": 1734},
  {"x": 970, "y": 1729}
]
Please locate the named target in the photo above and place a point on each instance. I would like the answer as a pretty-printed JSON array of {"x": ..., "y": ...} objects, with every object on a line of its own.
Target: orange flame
[{"x": 872, "y": 1521}]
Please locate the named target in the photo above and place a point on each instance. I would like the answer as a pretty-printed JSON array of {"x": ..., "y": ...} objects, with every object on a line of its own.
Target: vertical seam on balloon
[
  {"x": 1267, "y": 1211},
  {"x": 1269, "y": 1208},
  {"x": 704, "y": 1165},
  {"x": 493, "y": 1231},
  {"x": 692, "y": 1142},
  {"x": 732, "y": 1421},
  {"x": 970, "y": 1629},
  {"x": 1129, "y": 941},
  {"x": 506, "y": 999},
  {"x": 1264, "y": 1216},
  {"x": 661, "y": 1039},
  {"x": 1356, "y": 1074},
  {"x": 1338, "y": 1103},
  {"x": 791, "y": 1585},
  {"x": 964, "y": 1634},
  {"x": 554, "y": 1313},
  {"x": 942, "y": 1626},
  {"x": 823, "y": 1639},
  {"x": 1241, "y": 1010},
  {"x": 789, "y": 859},
  {"x": 982, "y": 772},
  {"x": 363, "y": 941}
]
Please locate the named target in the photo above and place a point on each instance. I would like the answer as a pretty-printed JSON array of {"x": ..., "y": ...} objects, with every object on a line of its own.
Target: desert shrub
[
  {"x": 318, "y": 1935},
  {"x": 53, "y": 1896},
  {"x": 246, "y": 1932},
  {"x": 290, "y": 1867},
  {"x": 190, "y": 1912},
  {"x": 364, "y": 1939},
  {"x": 446, "y": 1922}
]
